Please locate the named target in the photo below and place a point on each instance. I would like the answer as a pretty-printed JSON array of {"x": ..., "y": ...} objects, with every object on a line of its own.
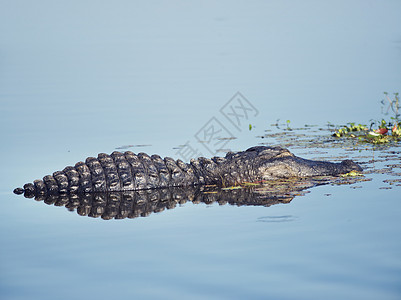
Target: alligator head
[{"x": 277, "y": 162}]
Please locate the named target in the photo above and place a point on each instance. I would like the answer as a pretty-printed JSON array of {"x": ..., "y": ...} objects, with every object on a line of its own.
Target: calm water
[{"x": 82, "y": 77}]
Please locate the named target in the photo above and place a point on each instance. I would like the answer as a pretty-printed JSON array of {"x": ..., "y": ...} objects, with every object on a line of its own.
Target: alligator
[{"x": 132, "y": 172}]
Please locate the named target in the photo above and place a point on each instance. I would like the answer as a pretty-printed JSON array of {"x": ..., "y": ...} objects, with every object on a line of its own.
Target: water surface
[{"x": 82, "y": 77}]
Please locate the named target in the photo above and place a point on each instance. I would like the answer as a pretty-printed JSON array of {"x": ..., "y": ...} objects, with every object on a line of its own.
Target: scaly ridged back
[{"x": 116, "y": 172}]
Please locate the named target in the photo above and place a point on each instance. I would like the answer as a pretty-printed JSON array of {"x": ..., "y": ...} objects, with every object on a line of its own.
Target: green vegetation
[
  {"x": 288, "y": 125},
  {"x": 352, "y": 174},
  {"x": 350, "y": 130},
  {"x": 385, "y": 132}
]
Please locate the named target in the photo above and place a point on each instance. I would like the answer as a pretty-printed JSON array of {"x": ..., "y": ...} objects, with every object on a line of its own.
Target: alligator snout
[{"x": 350, "y": 165}]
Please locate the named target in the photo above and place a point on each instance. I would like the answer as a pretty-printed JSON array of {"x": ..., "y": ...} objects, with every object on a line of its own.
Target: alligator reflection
[{"x": 133, "y": 204}]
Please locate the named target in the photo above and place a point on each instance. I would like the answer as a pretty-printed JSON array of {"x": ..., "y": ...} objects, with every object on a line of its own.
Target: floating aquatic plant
[
  {"x": 385, "y": 132},
  {"x": 352, "y": 174},
  {"x": 350, "y": 130}
]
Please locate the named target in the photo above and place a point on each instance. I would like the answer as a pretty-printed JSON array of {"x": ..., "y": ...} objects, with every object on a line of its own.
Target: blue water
[{"x": 82, "y": 77}]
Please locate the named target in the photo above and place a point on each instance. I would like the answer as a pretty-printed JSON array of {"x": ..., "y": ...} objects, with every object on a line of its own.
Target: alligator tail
[{"x": 111, "y": 173}]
